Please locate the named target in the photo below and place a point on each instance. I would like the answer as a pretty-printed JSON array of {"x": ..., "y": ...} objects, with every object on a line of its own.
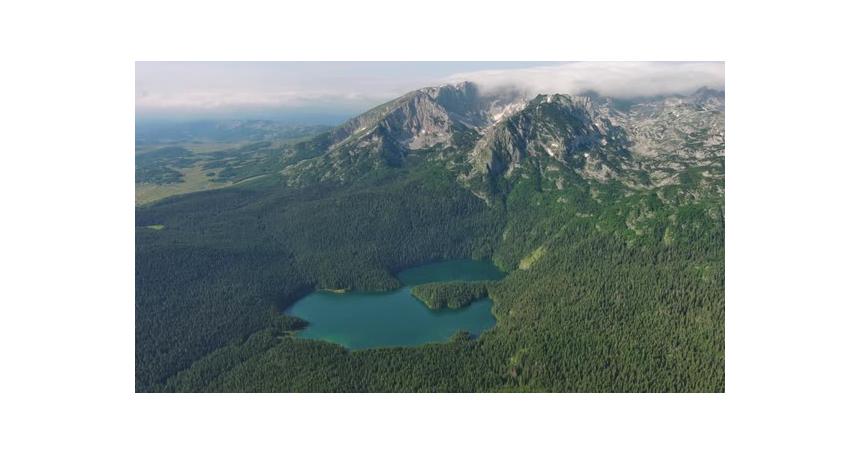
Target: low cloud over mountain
[{"x": 613, "y": 79}]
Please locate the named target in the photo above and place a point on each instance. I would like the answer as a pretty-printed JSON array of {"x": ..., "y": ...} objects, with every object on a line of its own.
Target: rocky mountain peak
[
  {"x": 501, "y": 135},
  {"x": 552, "y": 131}
]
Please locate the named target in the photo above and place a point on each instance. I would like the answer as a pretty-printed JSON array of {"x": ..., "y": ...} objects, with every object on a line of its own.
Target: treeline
[{"x": 456, "y": 294}]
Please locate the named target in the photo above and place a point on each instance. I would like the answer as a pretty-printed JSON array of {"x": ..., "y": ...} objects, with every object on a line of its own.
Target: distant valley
[{"x": 184, "y": 157}]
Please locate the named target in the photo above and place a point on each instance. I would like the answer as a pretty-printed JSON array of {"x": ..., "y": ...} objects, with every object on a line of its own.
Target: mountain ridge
[{"x": 487, "y": 138}]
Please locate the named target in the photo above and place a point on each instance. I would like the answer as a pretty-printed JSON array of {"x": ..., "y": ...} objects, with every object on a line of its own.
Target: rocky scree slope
[{"x": 491, "y": 139}]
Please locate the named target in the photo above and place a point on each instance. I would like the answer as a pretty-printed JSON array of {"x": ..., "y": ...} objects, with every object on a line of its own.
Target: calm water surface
[{"x": 361, "y": 320}]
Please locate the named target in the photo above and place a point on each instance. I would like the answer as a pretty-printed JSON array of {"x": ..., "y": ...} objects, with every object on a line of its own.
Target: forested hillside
[{"x": 455, "y": 294}]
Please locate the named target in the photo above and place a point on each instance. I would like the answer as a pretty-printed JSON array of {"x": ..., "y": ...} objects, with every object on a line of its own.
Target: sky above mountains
[{"x": 328, "y": 92}]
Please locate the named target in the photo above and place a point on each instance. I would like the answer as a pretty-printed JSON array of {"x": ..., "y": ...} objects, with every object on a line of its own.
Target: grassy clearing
[
  {"x": 526, "y": 262},
  {"x": 194, "y": 179}
]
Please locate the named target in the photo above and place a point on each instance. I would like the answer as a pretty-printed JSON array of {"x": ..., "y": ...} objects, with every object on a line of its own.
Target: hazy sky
[{"x": 340, "y": 89}]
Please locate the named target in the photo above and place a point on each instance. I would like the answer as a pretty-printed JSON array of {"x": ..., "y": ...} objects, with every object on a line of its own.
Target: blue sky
[{"x": 341, "y": 89}]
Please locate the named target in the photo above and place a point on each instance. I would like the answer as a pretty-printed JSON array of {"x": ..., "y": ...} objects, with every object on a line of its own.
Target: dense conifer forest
[
  {"x": 456, "y": 294},
  {"x": 608, "y": 290}
]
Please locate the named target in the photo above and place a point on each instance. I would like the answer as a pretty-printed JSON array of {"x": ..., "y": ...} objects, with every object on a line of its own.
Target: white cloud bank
[
  {"x": 208, "y": 87},
  {"x": 613, "y": 79},
  {"x": 202, "y": 99}
]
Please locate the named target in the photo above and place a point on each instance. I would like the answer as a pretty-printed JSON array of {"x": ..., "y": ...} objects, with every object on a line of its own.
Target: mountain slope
[
  {"x": 435, "y": 118},
  {"x": 489, "y": 139}
]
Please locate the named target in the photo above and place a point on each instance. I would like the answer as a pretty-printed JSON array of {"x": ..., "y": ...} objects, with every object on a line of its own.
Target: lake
[{"x": 359, "y": 320}]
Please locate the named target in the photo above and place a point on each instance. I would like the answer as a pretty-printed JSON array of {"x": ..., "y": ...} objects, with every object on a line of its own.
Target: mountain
[
  {"x": 445, "y": 118},
  {"x": 490, "y": 139}
]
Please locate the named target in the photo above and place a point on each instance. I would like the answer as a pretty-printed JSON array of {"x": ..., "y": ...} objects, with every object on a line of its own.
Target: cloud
[
  {"x": 235, "y": 87},
  {"x": 208, "y": 87},
  {"x": 220, "y": 99},
  {"x": 613, "y": 79}
]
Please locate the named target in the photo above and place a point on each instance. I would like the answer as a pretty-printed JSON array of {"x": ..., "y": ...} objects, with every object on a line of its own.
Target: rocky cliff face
[
  {"x": 556, "y": 138},
  {"x": 434, "y": 118},
  {"x": 556, "y": 129}
]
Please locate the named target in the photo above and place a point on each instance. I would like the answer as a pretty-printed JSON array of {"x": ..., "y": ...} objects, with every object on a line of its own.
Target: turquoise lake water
[{"x": 359, "y": 320}]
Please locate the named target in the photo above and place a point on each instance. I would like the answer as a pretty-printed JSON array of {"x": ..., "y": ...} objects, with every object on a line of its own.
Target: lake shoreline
[{"x": 396, "y": 318}]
